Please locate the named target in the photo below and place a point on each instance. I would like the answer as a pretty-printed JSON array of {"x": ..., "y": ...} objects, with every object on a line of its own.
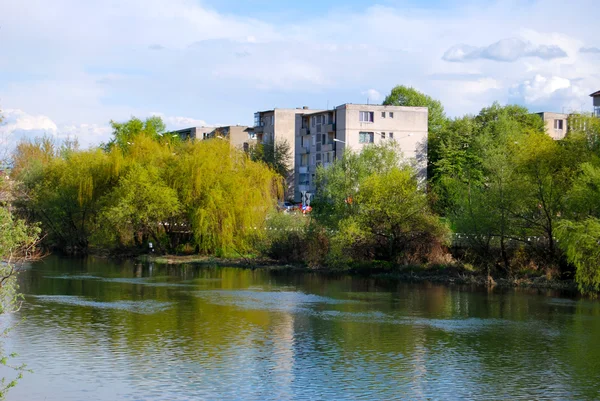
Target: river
[{"x": 99, "y": 330}]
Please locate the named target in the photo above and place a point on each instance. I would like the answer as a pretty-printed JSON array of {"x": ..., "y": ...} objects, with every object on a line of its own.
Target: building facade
[
  {"x": 323, "y": 136},
  {"x": 276, "y": 126},
  {"x": 555, "y": 124},
  {"x": 239, "y": 136},
  {"x": 596, "y": 103}
]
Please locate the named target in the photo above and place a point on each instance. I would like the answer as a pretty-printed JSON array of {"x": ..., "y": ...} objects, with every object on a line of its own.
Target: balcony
[
  {"x": 304, "y": 131},
  {"x": 303, "y": 188},
  {"x": 303, "y": 169},
  {"x": 329, "y": 128},
  {"x": 259, "y": 129},
  {"x": 327, "y": 148},
  {"x": 304, "y": 150}
]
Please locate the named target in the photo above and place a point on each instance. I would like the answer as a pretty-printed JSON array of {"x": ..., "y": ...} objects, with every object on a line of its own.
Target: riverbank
[{"x": 440, "y": 274}]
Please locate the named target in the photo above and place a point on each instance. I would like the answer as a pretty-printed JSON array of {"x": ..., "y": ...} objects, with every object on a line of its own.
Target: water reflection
[{"x": 97, "y": 330}]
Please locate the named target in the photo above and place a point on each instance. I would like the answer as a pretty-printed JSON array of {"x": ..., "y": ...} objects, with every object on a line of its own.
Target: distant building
[
  {"x": 596, "y": 102},
  {"x": 238, "y": 135},
  {"x": 194, "y": 132},
  {"x": 323, "y": 136},
  {"x": 555, "y": 124}
]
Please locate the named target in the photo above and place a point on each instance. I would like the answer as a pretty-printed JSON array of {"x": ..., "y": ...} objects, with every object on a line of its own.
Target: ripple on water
[
  {"x": 141, "y": 307},
  {"x": 147, "y": 281},
  {"x": 74, "y": 277},
  {"x": 268, "y": 300}
]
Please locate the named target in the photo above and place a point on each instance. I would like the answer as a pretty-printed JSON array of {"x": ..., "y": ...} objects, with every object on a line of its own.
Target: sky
[{"x": 69, "y": 67}]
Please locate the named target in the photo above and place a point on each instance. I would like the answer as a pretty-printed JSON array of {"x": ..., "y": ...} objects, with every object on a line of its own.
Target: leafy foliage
[
  {"x": 146, "y": 186},
  {"x": 18, "y": 242},
  {"x": 581, "y": 242},
  {"x": 374, "y": 204}
]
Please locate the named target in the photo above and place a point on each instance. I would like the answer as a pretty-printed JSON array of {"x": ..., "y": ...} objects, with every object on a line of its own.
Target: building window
[
  {"x": 383, "y": 135},
  {"x": 366, "y": 116},
  {"x": 365, "y": 137},
  {"x": 391, "y": 114},
  {"x": 391, "y": 135},
  {"x": 272, "y": 120},
  {"x": 314, "y": 120},
  {"x": 558, "y": 124},
  {"x": 597, "y": 111},
  {"x": 383, "y": 114},
  {"x": 304, "y": 160},
  {"x": 304, "y": 179}
]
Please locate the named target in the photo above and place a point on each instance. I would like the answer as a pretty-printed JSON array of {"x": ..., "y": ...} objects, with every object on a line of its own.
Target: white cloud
[
  {"x": 179, "y": 56},
  {"x": 504, "y": 50},
  {"x": 19, "y": 125},
  {"x": 177, "y": 122},
  {"x": 540, "y": 87},
  {"x": 18, "y": 120},
  {"x": 593, "y": 50},
  {"x": 551, "y": 93},
  {"x": 372, "y": 94}
]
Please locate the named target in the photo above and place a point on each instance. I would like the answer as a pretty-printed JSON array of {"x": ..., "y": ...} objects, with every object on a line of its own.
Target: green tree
[
  {"x": 372, "y": 201},
  {"x": 18, "y": 244},
  {"x": 141, "y": 207},
  {"x": 338, "y": 185},
  {"x": 579, "y": 232},
  {"x": 581, "y": 242},
  {"x": 125, "y": 134},
  {"x": 406, "y": 96},
  {"x": 277, "y": 156},
  {"x": 395, "y": 213},
  {"x": 547, "y": 174}
]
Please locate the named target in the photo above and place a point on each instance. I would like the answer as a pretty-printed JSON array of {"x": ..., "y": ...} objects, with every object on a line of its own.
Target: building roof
[
  {"x": 595, "y": 94},
  {"x": 554, "y": 113},
  {"x": 314, "y": 113}
]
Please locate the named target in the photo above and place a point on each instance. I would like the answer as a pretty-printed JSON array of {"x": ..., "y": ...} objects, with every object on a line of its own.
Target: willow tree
[
  {"x": 225, "y": 195},
  {"x": 64, "y": 196}
]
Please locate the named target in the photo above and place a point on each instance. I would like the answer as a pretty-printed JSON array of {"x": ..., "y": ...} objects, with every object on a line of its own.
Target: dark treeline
[{"x": 502, "y": 197}]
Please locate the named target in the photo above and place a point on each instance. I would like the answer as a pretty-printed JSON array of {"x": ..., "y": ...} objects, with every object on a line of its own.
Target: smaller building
[
  {"x": 238, "y": 135},
  {"x": 596, "y": 102},
  {"x": 555, "y": 123}
]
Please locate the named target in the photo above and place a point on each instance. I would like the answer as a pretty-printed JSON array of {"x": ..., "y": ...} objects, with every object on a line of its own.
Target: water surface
[{"x": 96, "y": 330}]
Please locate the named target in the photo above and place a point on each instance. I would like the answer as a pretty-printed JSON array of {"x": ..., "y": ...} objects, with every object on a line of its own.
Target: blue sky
[{"x": 68, "y": 67}]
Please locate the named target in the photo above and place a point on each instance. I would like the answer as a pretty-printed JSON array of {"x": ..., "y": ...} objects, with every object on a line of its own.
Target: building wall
[
  {"x": 549, "y": 124},
  {"x": 596, "y": 103},
  {"x": 281, "y": 125},
  {"x": 409, "y": 128},
  {"x": 194, "y": 133},
  {"x": 238, "y": 136}
]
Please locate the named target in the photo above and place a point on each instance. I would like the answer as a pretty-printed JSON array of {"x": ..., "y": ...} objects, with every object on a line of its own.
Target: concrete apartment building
[
  {"x": 318, "y": 137},
  {"x": 323, "y": 136},
  {"x": 555, "y": 124},
  {"x": 277, "y": 126},
  {"x": 238, "y": 135}
]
